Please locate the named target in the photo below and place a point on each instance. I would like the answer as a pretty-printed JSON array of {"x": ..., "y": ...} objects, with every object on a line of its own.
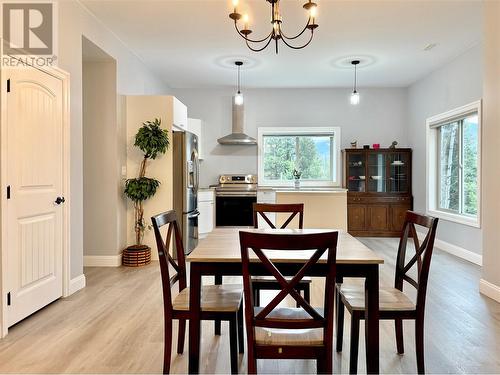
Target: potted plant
[
  {"x": 296, "y": 175},
  {"x": 152, "y": 141}
]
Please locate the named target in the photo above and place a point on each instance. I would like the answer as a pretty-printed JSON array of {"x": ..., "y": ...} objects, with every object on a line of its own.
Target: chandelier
[{"x": 277, "y": 32}]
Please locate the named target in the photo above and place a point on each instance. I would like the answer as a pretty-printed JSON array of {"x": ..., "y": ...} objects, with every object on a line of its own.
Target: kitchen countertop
[{"x": 304, "y": 189}]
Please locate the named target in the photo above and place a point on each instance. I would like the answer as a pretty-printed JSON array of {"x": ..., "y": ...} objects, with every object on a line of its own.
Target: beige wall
[
  {"x": 138, "y": 110},
  {"x": 103, "y": 153},
  {"x": 491, "y": 149},
  {"x": 321, "y": 209}
]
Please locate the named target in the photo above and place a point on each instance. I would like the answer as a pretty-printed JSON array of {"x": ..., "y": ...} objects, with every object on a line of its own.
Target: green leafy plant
[
  {"x": 152, "y": 141},
  {"x": 297, "y": 174}
]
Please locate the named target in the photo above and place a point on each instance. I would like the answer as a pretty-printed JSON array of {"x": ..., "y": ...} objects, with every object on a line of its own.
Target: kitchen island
[{"x": 323, "y": 207}]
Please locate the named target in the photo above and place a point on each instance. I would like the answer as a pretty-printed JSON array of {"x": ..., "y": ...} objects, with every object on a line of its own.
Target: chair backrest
[
  {"x": 169, "y": 219},
  {"x": 263, "y": 208},
  {"x": 287, "y": 242},
  {"x": 422, "y": 257}
]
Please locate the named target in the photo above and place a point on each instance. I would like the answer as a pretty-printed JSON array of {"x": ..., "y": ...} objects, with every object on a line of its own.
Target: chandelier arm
[
  {"x": 296, "y": 36},
  {"x": 299, "y": 47},
  {"x": 258, "y": 49},
  {"x": 251, "y": 40}
]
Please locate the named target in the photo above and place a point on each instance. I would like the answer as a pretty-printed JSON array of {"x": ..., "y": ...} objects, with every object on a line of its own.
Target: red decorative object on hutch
[{"x": 379, "y": 190}]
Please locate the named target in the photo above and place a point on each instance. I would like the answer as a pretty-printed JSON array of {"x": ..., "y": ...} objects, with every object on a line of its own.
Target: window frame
[
  {"x": 294, "y": 131},
  {"x": 433, "y": 170}
]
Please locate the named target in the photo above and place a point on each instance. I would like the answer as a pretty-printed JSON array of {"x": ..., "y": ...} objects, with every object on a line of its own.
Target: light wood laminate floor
[{"x": 115, "y": 325}]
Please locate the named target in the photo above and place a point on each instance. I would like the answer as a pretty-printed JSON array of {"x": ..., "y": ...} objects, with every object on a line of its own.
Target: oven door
[{"x": 234, "y": 211}]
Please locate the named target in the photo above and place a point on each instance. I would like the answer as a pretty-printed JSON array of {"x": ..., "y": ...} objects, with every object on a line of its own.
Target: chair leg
[
  {"x": 353, "y": 355},
  {"x": 419, "y": 345},
  {"x": 181, "y": 335},
  {"x": 398, "y": 323},
  {"x": 233, "y": 344},
  {"x": 340, "y": 320},
  {"x": 241, "y": 335},
  {"x": 256, "y": 296},
  {"x": 307, "y": 293},
  {"x": 167, "y": 350},
  {"x": 218, "y": 281},
  {"x": 320, "y": 366}
]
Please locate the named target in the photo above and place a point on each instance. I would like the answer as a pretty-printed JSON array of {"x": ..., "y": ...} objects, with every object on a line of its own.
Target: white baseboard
[
  {"x": 489, "y": 290},
  {"x": 76, "y": 284},
  {"x": 102, "y": 260},
  {"x": 456, "y": 250}
]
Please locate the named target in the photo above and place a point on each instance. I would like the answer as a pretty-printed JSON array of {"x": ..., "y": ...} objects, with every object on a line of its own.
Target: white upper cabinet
[
  {"x": 179, "y": 115},
  {"x": 195, "y": 126}
]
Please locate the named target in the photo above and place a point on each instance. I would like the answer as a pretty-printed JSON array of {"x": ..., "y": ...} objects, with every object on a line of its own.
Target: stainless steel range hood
[{"x": 237, "y": 137}]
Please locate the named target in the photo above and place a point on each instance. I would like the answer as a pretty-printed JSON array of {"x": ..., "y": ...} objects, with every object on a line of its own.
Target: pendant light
[
  {"x": 355, "y": 94},
  {"x": 238, "y": 98}
]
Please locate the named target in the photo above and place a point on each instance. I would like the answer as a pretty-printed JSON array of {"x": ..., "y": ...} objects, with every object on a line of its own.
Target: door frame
[{"x": 64, "y": 77}]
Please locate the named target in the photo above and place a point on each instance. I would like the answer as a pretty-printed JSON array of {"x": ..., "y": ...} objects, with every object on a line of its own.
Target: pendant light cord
[
  {"x": 239, "y": 68},
  {"x": 355, "y": 76}
]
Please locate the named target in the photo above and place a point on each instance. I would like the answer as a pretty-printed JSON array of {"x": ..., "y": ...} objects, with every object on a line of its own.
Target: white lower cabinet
[
  {"x": 206, "y": 202},
  {"x": 266, "y": 196}
]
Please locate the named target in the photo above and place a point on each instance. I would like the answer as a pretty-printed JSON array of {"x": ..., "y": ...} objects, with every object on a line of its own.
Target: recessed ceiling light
[{"x": 430, "y": 46}]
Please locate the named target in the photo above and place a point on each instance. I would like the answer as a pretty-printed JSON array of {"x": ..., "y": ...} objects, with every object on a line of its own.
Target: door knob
[{"x": 60, "y": 200}]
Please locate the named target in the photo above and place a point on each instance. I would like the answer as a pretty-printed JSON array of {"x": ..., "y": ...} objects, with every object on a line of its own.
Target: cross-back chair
[
  {"x": 277, "y": 332},
  {"x": 294, "y": 209},
  {"x": 394, "y": 304},
  {"x": 260, "y": 210},
  {"x": 219, "y": 302}
]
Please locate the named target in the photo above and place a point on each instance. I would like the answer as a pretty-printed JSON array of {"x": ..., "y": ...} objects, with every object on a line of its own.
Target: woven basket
[{"x": 136, "y": 256}]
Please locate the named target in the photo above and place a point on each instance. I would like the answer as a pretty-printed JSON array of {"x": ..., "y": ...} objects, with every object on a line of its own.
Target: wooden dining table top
[{"x": 222, "y": 245}]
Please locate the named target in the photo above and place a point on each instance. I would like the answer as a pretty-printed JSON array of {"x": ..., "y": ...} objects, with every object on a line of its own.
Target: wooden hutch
[{"x": 379, "y": 190}]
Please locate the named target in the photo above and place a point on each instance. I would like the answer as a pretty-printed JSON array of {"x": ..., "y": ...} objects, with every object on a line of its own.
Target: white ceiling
[{"x": 188, "y": 42}]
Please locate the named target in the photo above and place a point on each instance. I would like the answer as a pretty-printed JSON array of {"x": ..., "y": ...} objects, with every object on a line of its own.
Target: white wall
[
  {"x": 132, "y": 78},
  {"x": 380, "y": 118},
  {"x": 455, "y": 84},
  {"x": 490, "y": 284}
]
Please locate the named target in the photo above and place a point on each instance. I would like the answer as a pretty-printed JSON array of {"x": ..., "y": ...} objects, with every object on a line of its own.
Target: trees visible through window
[
  {"x": 313, "y": 154},
  {"x": 458, "y": 148}
]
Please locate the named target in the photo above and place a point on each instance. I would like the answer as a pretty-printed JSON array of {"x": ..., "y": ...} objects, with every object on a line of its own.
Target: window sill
[{"x": 460, "y": 219}]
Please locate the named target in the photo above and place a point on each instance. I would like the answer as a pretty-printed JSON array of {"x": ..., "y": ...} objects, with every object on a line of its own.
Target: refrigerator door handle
[{"x": 194, "y": 214}]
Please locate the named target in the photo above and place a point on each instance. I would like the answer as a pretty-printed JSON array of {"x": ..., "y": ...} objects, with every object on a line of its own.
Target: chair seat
[
  {"x": 270, "y": 279},
  {"x": 224, "y": 298},
  {"x": 390, "y": 299},
  {"x": 288, "y": 337}
]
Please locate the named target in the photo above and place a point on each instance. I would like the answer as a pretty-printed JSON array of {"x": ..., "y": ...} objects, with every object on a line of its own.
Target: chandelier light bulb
[
  {"x": 313, "y": 12},
  {"x": 355, "y": 98},
  {"x": 235, "y": 3},
  {"x": 238, "y": 98}
]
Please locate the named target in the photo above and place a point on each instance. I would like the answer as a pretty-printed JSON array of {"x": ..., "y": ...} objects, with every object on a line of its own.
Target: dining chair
[
  {"x": 260, "y": 210},
  {"x": 289, "y": 333},
  {"x": 218, "y": 302},
  {"x": 394, "y": 304}
]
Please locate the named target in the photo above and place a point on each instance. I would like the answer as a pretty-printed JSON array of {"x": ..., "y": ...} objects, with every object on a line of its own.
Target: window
[
  {"x": 312, "y": 151},
  {"x": 453, "y": 173}
]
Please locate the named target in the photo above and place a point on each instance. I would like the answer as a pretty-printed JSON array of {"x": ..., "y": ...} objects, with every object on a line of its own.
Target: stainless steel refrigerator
[{"x": 186, "y": 181}]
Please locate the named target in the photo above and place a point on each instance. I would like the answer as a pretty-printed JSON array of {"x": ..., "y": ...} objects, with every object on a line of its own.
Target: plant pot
[
  {"x": 297, "y": 184},
  {"x": 136, "y": 256}
]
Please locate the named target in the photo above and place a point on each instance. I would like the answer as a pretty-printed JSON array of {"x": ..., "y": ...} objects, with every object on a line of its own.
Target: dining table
[{"x": 219, "y": 254}]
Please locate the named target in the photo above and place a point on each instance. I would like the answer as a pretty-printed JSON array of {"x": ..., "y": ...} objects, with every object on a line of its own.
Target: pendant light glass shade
[
  {"x": 355, "y": 98},
  {"x": 238, "y": 98}
]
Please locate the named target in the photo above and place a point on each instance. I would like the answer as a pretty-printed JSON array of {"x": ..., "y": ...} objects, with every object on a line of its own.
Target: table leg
[
  {"x": 372, "y": 320},
  {"x": 195, "y": 319},
  {"x": 218, "y": 281}
]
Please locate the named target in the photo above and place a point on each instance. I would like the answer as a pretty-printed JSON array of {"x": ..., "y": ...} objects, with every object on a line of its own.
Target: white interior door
[{"x": 35, "y": 176}]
